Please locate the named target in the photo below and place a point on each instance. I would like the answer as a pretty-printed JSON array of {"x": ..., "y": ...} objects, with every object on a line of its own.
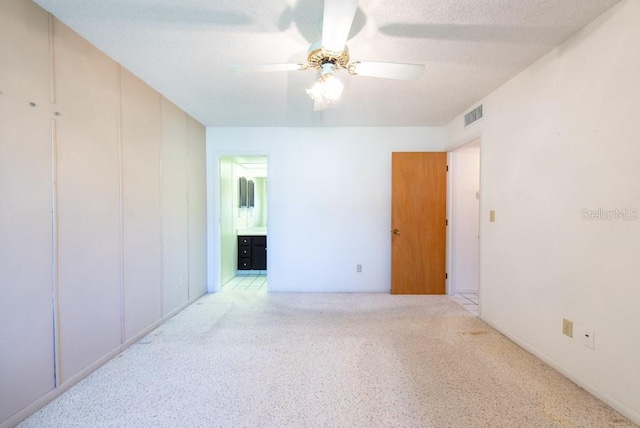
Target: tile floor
[
  {"x": 248, "y": 282},
  {"x": 468, "y": 301}
]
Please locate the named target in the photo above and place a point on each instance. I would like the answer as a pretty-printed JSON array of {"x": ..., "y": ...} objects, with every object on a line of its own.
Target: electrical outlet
[
  {"x": 588, "y": 339},
  {"x": 567, "y": 327},
  {"x": 359, "y": 268}
]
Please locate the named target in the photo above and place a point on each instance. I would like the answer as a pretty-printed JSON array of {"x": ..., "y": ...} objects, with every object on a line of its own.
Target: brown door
[{"x": 418, "y": 223}]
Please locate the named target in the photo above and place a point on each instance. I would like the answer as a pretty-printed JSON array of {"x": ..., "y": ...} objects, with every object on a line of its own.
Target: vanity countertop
[{"x": 252, "y": 231}]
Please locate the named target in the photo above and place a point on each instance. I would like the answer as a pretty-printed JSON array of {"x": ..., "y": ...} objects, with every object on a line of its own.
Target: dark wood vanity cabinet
[{"x": 252, "y": 253}]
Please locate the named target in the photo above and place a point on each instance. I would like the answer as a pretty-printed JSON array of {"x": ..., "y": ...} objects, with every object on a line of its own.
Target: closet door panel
[
  {"x": 197, "y": 210},
  {"x": 141, "y": 151},
  {"x": 26, "y": 304},
  {"x": 175, "y": 238},
  {"x": 88, "y": 200}
]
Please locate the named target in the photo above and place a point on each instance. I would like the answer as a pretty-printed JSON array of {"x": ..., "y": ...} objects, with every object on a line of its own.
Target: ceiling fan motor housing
[{"x": 319, "y": 56}]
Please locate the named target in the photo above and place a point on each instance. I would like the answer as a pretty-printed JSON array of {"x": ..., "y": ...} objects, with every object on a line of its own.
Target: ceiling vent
[{"x": 473, "y": 115}]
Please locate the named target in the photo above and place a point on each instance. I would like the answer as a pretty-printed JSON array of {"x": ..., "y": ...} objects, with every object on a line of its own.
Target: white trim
[
  {"x": 448, "y": 234},
  {"x": 451, "y": 209},
  {"x": 466, "y": 291}
]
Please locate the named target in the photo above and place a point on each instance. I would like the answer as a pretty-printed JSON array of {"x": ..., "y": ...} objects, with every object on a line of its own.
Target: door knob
[{"x": 396, "y": 232}]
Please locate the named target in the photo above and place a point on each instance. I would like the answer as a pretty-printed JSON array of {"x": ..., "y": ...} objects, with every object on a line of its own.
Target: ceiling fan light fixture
[
  {"x": 332, "y": 88},
  {"x": 328, "y": 88},
  {"x": 315, "y": 92}
]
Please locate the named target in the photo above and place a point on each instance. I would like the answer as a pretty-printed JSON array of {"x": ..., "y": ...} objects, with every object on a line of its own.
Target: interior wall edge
[
  {"x": 189, "y": 226},
  {"x": 121, "y": 207},
  {"x": 161, "y": 202}
]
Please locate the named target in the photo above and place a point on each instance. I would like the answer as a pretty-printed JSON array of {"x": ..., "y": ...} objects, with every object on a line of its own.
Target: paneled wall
[
  {"x": 103, "y": 228},
  {"x": 197, "y": 207},
  {"x": 87, "y": 201},
  {"x": 26, "y": 249},
  {"x": 141, "y": 174},
  {"x": 174, "y": 206}
]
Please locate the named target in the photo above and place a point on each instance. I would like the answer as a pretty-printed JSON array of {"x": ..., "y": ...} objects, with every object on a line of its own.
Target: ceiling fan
[{"x": 331, "y": 55}]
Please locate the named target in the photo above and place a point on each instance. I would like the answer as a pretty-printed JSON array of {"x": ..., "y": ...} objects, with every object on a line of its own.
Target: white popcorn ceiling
[{"x": 183, "y": 50}]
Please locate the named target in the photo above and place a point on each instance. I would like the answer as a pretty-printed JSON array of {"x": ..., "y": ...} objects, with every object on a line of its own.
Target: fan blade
[
  {"x": 338, "y": 17},
  {"x": 387, "y": 70},
  {"x": 258, "y": 68}
]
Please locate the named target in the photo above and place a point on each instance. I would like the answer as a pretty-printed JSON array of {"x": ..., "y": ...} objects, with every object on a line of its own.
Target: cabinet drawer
[
  {"x": 244, "y": 263},
  {"x": 244, "y": 240},
  {"x": 244, "y": 251}
]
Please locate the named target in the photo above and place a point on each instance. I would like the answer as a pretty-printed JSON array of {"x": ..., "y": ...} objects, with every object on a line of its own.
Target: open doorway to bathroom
[
  {"x": 464, "y": 222},
  {"x": 243, "y": 223}
]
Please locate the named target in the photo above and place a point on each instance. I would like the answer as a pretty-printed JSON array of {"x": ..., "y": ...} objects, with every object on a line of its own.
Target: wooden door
[{"x": 418, "y": 223}]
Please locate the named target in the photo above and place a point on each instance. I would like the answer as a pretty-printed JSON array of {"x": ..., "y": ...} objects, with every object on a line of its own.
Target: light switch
[{"x": 492, "y": 216}]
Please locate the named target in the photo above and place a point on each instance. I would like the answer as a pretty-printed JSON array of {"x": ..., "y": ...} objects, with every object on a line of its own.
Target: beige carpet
[{"x": 242, "y": 359}]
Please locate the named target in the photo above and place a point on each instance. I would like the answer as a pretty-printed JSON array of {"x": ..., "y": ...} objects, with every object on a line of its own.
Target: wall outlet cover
[
  {"x": 588, "y": 339},
  {"x": 567, "y": 327}
]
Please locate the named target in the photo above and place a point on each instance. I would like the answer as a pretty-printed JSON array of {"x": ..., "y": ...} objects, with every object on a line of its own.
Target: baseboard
[
  {"x": 466, "y": 291},
  {"x": 627, "y": 412},
  {"x": 75, "y": 379},
  {"x": 56, "y": 392}
]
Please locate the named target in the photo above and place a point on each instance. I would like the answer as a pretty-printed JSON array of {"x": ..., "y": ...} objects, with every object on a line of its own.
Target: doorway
[
  {"x": 243, "y": 216},
  {"x": 464, "y": 215}
]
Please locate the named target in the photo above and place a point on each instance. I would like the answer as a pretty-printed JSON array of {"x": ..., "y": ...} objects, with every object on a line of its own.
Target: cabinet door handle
[{"x": 396, "y": 232}]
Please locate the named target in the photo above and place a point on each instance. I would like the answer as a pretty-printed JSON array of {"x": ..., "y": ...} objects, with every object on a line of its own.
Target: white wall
[
  {"x": 464, "y": 219},
  {"x": 226, "y": 195},
  {"x": 256, "y": 215},
  {"x": 260, "y": 210},
  {"x": 329, "y": 204},
  {"x": 560, "y": 137}
]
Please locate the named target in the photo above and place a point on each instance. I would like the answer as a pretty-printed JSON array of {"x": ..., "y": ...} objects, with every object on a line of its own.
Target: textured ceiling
[{"x": 183, "y": 50}]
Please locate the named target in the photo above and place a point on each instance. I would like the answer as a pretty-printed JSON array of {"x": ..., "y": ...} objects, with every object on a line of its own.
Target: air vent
[{"x": 473, "y": 115}]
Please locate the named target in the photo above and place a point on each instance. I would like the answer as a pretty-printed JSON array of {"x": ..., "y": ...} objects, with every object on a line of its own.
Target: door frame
[
  {"x": 475, "y": 138},
  {"x": 214, "y": 239}
]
